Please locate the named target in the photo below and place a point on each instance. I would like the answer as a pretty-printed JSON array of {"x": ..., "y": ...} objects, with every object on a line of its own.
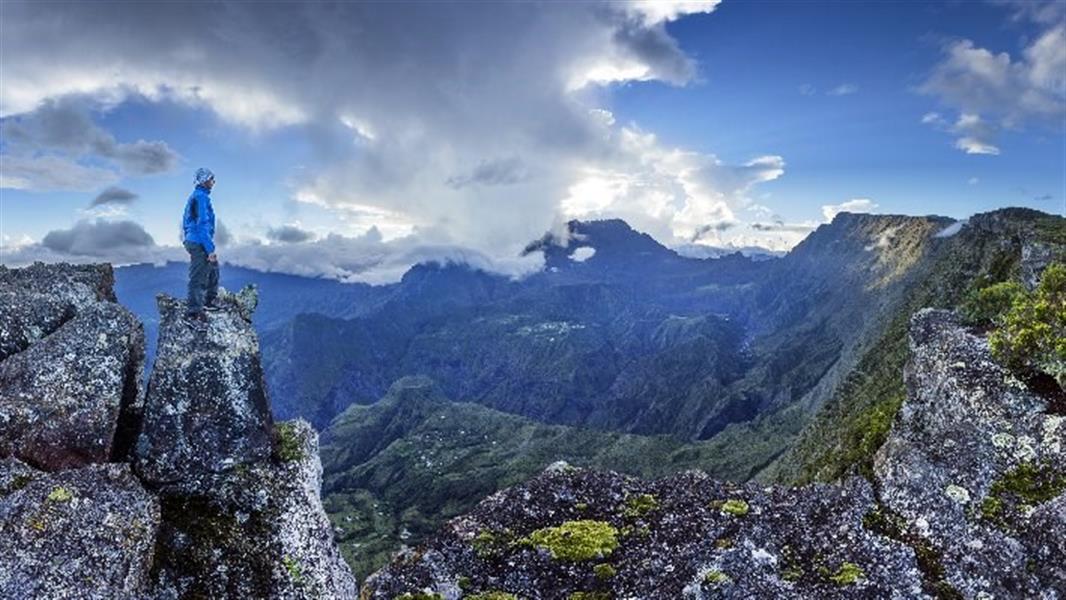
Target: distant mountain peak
[{"x": 612, "y": 239}]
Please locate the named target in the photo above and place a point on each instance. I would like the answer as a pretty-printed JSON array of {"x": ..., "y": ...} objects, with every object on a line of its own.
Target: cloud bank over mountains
[
  {"x": 480, "y": 123},
  {"x": 465, "y": 129}
]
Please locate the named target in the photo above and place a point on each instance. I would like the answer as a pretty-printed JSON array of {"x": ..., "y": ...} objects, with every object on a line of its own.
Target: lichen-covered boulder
[
  {"x": 261, "y": 532},
  {"x": 572, "y": 531},
  {"x": 206, "y": 409},
  {"x": 36, "y": 300},
  {"x": 81, "y": 533},
  {"x": 74, "y": 396},
  {"x": 975, "y": 467}
]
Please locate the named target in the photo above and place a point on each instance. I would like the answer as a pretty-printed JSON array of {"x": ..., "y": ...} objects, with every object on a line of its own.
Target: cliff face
[
  {"x": 186, "y": 491},
  {"x": 967, "y": 500}
]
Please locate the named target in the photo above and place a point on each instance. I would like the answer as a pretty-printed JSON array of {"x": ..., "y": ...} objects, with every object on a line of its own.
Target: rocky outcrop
[
  {"x": 260, "y": 532},
  {"x": 572, "y": 531},
  {"x": 69, "y": 379},
  {"x": 975, "y": 467},
  {"x": 241, "y": 512},
  {"x": 968, "y": 500},
  {"x": 191, "y": 493},
  {"x": 206, "y": 409},
  {"x": 80, "y": 533},
  {"x": 36, "y": 300}
]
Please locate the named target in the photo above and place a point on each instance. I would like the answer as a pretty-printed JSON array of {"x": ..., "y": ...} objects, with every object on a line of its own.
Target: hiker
[{"x": 198, "y": 226}]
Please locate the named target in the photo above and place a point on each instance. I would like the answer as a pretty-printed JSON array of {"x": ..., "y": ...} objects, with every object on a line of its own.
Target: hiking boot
[{"x": 197, "y": 321}]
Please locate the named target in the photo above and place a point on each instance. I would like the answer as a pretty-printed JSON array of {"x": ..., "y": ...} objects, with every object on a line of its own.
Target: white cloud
[
  {"x": 855, "y": 205},
  {"x": 670, "y": 193},
  {"x": 57, "y": 146},
  {"x": 51, "y": 173},
  {"x": 971, "y": 145},
  {"x": 992, "y": 91},
  {"x": 582, "y": 253},
  {"x": 844, "y": 89},
  {"x": 456, "y": 123},
  {"x": 973, "y": 181},
  {"x": 659, "y": 11}
]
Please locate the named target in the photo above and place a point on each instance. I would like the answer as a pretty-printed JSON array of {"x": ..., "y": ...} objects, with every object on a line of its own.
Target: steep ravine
[{"x": 188, "y": 490}]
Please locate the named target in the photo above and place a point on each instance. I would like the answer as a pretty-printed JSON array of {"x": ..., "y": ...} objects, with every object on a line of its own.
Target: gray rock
[
  {"x": 233, "y": 509},
  {"x": 685, "y": 539},
  {"x": 260, "y": 533},
  {"x": 967, "y": 431},
  {"x": 36, "y": 300},
  {"x": 73, "y": 397},
  {"x": 81, "y": 533},
  {"x": 206, "y": 410}
]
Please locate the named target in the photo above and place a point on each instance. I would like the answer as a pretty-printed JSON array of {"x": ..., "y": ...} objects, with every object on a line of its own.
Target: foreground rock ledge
[
  {"x": 70, "y": 364},
  {"x": 968, "y": 501},
  {"x": 223, "y": 503}
]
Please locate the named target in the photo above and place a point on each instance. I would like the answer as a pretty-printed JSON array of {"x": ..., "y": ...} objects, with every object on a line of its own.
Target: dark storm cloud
[
  {"x": 65, "y": 128},
  {"x": 98, "y": 238},
  {"x": 780, "y": 226},
  {"x": 506, "y": 171},
  {"x": 114, "y": 195},
  {"x": 289, "y": 234}
]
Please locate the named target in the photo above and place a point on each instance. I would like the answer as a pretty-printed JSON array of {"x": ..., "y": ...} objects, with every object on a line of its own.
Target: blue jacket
[{"x": 198, "y": 222}]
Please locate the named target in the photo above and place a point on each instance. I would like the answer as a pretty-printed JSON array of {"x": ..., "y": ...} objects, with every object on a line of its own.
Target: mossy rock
[
  {"x": 604, "y": 572},
  {"x": 60, "y": 494},
  {"x": 639, "y": 505},
  {"x": 1025, "y": 486},
  {"x": 848, "y": 574},
  {"x": 735, "y": 507},
  {"x": 493, "y": 595},
  {"x": 716, "y": 578},
  {"x": 577, "y": 540},
  {"x": 289, "y": 446}
]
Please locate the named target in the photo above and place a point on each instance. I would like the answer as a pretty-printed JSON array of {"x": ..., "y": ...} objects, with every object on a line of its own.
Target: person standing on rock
[{"x": 198, "y": 226}]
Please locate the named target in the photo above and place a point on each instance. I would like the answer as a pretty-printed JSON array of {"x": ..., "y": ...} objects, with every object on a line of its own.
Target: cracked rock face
[
  {"x": 80, "y": 533},
  {"x": 69, "y": 384},
  {"x": 686, "y": 536},
  {"x": 241, "y": 509},
  {"x": 261, "y": 533},
  {"x": 206, "y": 409},
  {"x": 970, "y": 464},
  {"x": 222, "y": 504},
  {"x": 36, "y": 300}
]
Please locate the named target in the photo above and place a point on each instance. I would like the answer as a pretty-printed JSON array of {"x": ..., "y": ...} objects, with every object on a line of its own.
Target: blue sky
[
  {"x": 756, "y": 56},
  {"x": 376, "y": 135}
]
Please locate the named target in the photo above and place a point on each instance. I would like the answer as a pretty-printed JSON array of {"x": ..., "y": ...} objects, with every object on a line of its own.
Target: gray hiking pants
[{"x": 203, "y": 278}]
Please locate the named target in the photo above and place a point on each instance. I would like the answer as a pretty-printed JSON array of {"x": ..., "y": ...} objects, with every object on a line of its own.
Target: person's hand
[{"x": 212, "y": 257}]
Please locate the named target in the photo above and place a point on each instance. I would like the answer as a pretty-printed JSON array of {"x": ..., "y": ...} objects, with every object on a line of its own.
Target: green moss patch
[
  {"x": 1023, "y": 487},
  {"x": 604, "y": 572},
  {"x": 639, "y": 505},
  {"x": 292, "y": 567},
  {"x": 289, "y": 447},
  {"x": 493, "y": 595},
  {"x": 848, "y": 574},
  {"x": 60, "y": 494},
  {"x": 735, "y": 507},
  {"x": 577, "y": 540},
  {"x": 716, "y": 578}
]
